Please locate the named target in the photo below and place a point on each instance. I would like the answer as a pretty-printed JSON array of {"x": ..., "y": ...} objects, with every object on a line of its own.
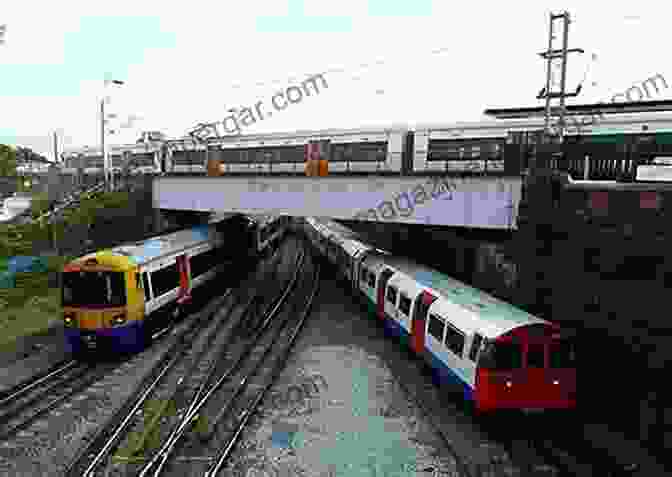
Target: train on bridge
[
  {"x": 617, "y": 144},
  {"x": 115, "y": 300}
]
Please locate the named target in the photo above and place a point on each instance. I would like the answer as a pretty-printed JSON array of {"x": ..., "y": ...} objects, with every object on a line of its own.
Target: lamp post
[{"x": 103, "y": 132}]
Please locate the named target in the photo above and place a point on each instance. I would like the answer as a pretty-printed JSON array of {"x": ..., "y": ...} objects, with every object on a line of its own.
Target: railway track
[
  {"x": 552, "y": 444},
  {"x": 229, "y": 409},
  {"x": 29, "y": 401},
  {"x": 179, "y": 382}
]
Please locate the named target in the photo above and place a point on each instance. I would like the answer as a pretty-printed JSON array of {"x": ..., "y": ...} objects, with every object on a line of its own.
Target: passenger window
[
  {"x": 372, "y": 280},
  {"x": 392, "y": 295},
  {"x": 475, "y": 345},
  {"x": 435, "y": 328},
  {"x": 404, "y": 304},
  {"x": 507, "y": 356},
  {"x": 362, "y": 275},
  {"x": 454, "y": 340},
  {"x": 535, "y": 355},
  {"x": 138, "y": 281}
]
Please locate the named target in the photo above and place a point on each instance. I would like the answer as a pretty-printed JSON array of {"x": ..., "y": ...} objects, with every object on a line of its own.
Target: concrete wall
[{"x": 608, "y": 278}]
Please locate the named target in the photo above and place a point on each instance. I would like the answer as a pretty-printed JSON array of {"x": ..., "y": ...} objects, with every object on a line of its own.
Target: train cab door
[
  {"x": 422, "y": 304},
  {"x": 380, "y": 296},
  {"x": 183, "y": 269}
]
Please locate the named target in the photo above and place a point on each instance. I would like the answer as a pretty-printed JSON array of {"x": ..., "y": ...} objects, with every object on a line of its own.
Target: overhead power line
[{"x": 333, "y": 70}]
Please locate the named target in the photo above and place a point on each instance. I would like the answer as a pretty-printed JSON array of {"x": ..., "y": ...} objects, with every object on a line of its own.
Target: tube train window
[
  {"x": 562, "y": 354},
  {"x": 404, "y": 304},
  {"x": 454, "y": 340},
  {"x": 475, "y": 345},
  {"x": 503, "y": 356},
  {"x": 392, "y": 295},
  {"x": 436, "y": 327},
  {"x": 535, "y": 355},
  {"x": 165, "y": 279},
  {"x": 363, "y": 275}
]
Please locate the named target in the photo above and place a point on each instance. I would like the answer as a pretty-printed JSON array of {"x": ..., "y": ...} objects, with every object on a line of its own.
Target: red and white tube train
[{"x": 499, "y": 356}]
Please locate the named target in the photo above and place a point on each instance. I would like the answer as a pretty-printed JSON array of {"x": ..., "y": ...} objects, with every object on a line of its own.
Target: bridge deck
[{"x": 480, "y": 202}]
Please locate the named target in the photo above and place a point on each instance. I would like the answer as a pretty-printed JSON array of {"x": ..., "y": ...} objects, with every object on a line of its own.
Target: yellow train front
[{"x": 103, "y": 305}]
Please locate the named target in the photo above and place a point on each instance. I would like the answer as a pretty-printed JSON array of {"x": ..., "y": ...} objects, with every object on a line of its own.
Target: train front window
[
  {"x": 535, "y": 355},
  {"x": 563, "y": 354},
  {"x": 502, "y": 356},
  {"x": 93, "y": 288}
]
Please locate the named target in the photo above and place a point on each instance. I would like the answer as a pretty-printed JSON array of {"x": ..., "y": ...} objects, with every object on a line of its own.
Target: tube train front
[{"x": 498, "y": 356}]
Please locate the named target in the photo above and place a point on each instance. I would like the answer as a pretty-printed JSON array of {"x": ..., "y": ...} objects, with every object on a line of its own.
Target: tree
[{"x": 7, "y": 161}]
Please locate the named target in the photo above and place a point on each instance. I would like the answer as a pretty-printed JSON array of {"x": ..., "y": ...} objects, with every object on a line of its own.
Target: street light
[{"x": 106, "y": 165}]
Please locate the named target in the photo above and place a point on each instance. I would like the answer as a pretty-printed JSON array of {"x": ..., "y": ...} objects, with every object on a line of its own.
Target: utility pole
[
  {"x": 102, "y": 142},
  {"x": 55, "y": 148},
  {"x": 103, "y": 131},
  {"x": 553, "y": 54}
]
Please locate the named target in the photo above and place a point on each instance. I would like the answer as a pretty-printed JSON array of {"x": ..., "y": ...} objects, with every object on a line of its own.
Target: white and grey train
[{"x": 403, "y": 149}]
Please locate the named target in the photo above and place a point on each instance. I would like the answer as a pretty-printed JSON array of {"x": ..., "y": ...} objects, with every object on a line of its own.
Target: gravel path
[
  {"x": 33, "y": 355},
  {"x": 338, "y": 409}
]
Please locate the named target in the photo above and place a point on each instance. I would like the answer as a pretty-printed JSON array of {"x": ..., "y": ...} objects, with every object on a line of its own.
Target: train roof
[
  {"x": 127, "y": 256},
  {"x": 147, "y": 250},
  {"x": 490, "y": 316},
  {"x": 348, "y": 239}
]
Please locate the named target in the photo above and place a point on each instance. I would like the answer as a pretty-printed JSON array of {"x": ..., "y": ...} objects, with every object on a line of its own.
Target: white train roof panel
[
  {"x": 156, "y": 247},
  {"x": 497, "y": 317}
]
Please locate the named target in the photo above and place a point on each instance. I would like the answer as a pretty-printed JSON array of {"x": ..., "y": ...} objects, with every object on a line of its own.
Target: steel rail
[
  {"x": 249, "y": 412},
  {"x": 197, "y": 404}
]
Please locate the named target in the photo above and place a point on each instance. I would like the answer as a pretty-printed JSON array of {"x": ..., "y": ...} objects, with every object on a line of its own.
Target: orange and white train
[{"x": 497, "y": 355}]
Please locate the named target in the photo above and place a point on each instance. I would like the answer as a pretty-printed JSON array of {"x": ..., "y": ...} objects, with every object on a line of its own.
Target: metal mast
[{"x": 551, "y": 56}]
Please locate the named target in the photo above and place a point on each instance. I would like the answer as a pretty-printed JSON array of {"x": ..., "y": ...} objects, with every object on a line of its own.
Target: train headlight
[
  {"x": 69, "y": 319},
  {"x": 508, "y": 384},
  {"x": 119, "y": 319}
]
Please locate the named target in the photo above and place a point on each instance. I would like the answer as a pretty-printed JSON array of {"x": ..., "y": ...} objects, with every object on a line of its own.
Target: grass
[
  {"x": 35, "y": 316},
  {"x": 30, "y": 307}
]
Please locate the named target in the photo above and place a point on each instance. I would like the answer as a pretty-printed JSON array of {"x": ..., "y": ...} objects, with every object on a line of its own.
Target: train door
[
  {"x": 422, "y": 303},
  {"x": 185, "y": 278},
  {"x": 380, "y": 297}
]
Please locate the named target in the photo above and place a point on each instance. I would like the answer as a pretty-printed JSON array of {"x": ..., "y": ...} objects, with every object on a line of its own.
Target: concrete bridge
[{"x": 430, "y": 200}]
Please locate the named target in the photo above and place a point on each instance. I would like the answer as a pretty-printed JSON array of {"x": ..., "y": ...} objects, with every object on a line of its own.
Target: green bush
[{"x": 39, "y": 205}]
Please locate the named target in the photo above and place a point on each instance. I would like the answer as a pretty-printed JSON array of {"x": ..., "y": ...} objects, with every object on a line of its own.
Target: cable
[
  {"x": 193, "y": 132},
  {"x": 332, "y": 70}
]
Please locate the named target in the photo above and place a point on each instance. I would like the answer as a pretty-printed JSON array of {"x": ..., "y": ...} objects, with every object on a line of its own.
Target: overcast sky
[{"x": 188, "y": 62}]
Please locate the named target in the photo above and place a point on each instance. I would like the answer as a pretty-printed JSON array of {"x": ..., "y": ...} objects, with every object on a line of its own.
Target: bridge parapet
[{"x": 479, "y": 202}]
